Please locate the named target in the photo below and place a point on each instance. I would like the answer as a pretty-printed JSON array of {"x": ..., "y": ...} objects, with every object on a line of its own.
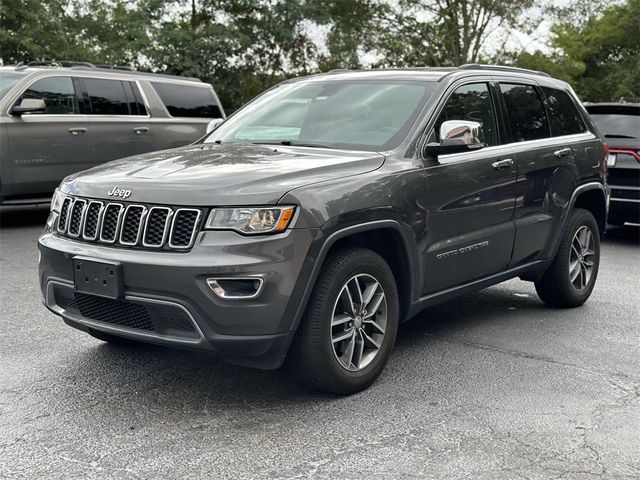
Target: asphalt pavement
[{"x": 493, "y": 385}]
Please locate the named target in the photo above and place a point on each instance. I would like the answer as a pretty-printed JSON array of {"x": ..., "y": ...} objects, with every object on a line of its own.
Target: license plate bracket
[{"x": 97, "y": 277}]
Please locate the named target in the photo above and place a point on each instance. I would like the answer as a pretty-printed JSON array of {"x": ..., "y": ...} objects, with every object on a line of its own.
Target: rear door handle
[
  {"x": 562, "y": 152},
  {"x": 77, "y": 131},
  {"x": 502, "y": 164},
  {"x": 140, "y": 130}
]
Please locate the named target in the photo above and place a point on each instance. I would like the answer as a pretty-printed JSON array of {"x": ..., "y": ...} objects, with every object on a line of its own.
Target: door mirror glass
[
  {"x": 213, "y": 124},
  {"x": 29, "y": 105}
]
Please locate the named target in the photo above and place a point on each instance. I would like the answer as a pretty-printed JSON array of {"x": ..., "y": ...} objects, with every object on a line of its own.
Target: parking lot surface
[{"x": 493, "y": 385}]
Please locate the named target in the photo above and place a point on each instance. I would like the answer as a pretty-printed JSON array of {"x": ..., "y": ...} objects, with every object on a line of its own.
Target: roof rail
[
  {"x": 73, "y": 65},
  {"x": 59, "y": 63},
  {"x": 117, "y": 67},
  {"x": 479, "y": 66},
  {"x": 339, "y": 70},
  {"x": 131, "y": 71}
]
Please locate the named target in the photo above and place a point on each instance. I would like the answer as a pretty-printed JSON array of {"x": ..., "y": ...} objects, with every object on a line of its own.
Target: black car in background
[{"x": 620, "y": 125}]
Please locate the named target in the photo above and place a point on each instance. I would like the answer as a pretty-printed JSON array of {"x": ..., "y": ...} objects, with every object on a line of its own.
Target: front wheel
[
  {"x": 569, "y": 280},
  {"x": 350, "y": 325}
]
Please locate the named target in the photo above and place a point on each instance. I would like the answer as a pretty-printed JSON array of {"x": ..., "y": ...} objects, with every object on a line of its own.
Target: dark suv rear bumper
[
  {"x": 624, "y": 183},
  {"x": 167, "y": 299}
]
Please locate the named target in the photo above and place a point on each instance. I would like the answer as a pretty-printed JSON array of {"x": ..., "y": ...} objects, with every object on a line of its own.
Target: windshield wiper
[
  {"x": 294, "y": 143},
  {"x": 614, "y": 135}
]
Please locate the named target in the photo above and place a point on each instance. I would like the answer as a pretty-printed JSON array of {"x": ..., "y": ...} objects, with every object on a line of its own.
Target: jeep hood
[{"x": 213, "y": 175}]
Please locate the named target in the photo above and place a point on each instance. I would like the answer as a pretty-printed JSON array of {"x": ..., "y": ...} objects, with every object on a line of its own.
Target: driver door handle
[
  {"x": 502, "y": 164},
  {"x": 77, "y": 131},
  {"x": 140, "y": 130}
]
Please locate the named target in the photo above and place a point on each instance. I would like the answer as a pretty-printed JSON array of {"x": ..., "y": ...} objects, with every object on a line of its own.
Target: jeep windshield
[
  {"x": 8, "y": 80},
  {"x": 373, "y": 115}
]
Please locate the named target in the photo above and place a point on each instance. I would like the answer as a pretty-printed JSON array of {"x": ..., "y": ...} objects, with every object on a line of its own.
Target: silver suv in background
[{"x": 60, "y": 118}]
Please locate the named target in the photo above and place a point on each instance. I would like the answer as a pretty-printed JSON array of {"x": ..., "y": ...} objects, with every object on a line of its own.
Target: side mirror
[
  {"x": 29, "y": 105},
  {"x": 457, "y": 136},
  {"x": 213, "y": 124}
]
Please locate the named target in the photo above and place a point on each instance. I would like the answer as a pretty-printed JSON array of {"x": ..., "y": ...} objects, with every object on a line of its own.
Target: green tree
[
  {"x": 598, "y": 53},
  {"x": 443, "y": 32}
]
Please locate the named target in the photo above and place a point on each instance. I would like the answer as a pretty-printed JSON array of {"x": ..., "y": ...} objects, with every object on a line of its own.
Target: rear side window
[
  {"x": 527, "y": 116},
  {"x": 187, "y": 101},
  {"x": 58, "y": 94},
  {"x": 564, "y": 116},
  {"x": 107, "y": 97}
]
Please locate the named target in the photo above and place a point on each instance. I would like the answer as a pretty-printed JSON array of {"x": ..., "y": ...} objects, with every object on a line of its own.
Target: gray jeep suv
[
  {"x": 330, "y": 209},
  {"x": 56, "y": 120}
]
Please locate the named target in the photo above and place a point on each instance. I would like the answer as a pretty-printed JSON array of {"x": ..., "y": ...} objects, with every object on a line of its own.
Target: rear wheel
[
  {"x": 569, "y": 280},
  {"x": 351, "y": 323}
]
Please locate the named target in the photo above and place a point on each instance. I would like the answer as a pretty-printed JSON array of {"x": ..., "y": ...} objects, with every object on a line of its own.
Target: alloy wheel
[
  {"x": 582, "y": 258},
  {"x": 359, "y": 321}
]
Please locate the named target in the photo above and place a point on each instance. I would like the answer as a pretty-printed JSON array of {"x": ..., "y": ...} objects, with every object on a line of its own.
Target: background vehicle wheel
[
  {"x": 350, "y": 324},
  {"x": 112, "y": 339},
  {"x": 569, "y": 280}
]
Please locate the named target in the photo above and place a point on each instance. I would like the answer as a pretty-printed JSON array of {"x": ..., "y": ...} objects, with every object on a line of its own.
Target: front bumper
[{"x": 168, "y": 301}]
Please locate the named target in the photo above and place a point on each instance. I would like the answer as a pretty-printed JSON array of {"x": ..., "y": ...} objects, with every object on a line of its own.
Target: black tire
[
  {"x": 112, "y": 339},
  {"x": 556, "y": 288},
  {"x": 313, "y": 354}
]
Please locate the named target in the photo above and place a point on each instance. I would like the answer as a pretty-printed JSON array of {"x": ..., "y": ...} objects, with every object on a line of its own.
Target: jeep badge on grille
[{"x": 118, "y": 192}]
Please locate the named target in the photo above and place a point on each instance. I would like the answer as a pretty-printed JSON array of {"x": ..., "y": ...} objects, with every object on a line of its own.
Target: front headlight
[
  {"x": 251, "y": 220},
  {"x": 56, "y": 201}
]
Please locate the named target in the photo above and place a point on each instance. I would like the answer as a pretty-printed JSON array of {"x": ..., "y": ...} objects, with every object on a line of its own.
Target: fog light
[{"x": 236, "y": 288}]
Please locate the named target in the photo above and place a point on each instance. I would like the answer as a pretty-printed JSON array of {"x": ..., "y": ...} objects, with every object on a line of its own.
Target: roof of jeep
[{"x": 427, "y": 73}]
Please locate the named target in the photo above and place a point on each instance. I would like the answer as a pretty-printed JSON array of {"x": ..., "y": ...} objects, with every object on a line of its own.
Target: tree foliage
[
  {"x": 245, "y": 46},
  {"x": 598, "y": 53}
]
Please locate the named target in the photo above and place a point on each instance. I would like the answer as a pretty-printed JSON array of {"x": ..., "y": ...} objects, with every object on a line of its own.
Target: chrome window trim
[
  {"x": 165, "y": 230},
  {"x": 143, "y": 96},
  {"x": 118, "y": 223},
  {"x": 141, "y": 223},
  {"x": 194, "y": 231},
  {"x": 98, "y": 221},
  {"x": 84, "y": 208}
]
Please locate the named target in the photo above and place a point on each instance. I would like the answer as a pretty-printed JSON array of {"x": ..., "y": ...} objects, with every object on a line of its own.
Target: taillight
[
  {"x": 611, "y": 157},
  {"x": 634, "y": 152}
]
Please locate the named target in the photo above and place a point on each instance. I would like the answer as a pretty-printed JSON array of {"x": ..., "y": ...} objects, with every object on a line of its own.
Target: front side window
[
  {"x": 107, "y": 97},
  {"x": 58, "y": 94},
  {"x": 564, "y": 116},
  {"x": 369, "y": 115},
  {"x": 471, "y": 103},
  {"x": 8, "y": 80},
  {"x": 187, "y": 101},
  {"x": 527, "y": 117}
]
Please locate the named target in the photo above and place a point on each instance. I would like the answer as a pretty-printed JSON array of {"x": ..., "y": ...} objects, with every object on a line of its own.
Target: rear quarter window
[
  {"x": 187, "y": 101},
  {"x": 563, "y": 114}
]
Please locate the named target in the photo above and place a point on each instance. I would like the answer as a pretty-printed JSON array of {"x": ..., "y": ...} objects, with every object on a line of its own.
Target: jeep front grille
[{"x": 129, "y": 225}]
